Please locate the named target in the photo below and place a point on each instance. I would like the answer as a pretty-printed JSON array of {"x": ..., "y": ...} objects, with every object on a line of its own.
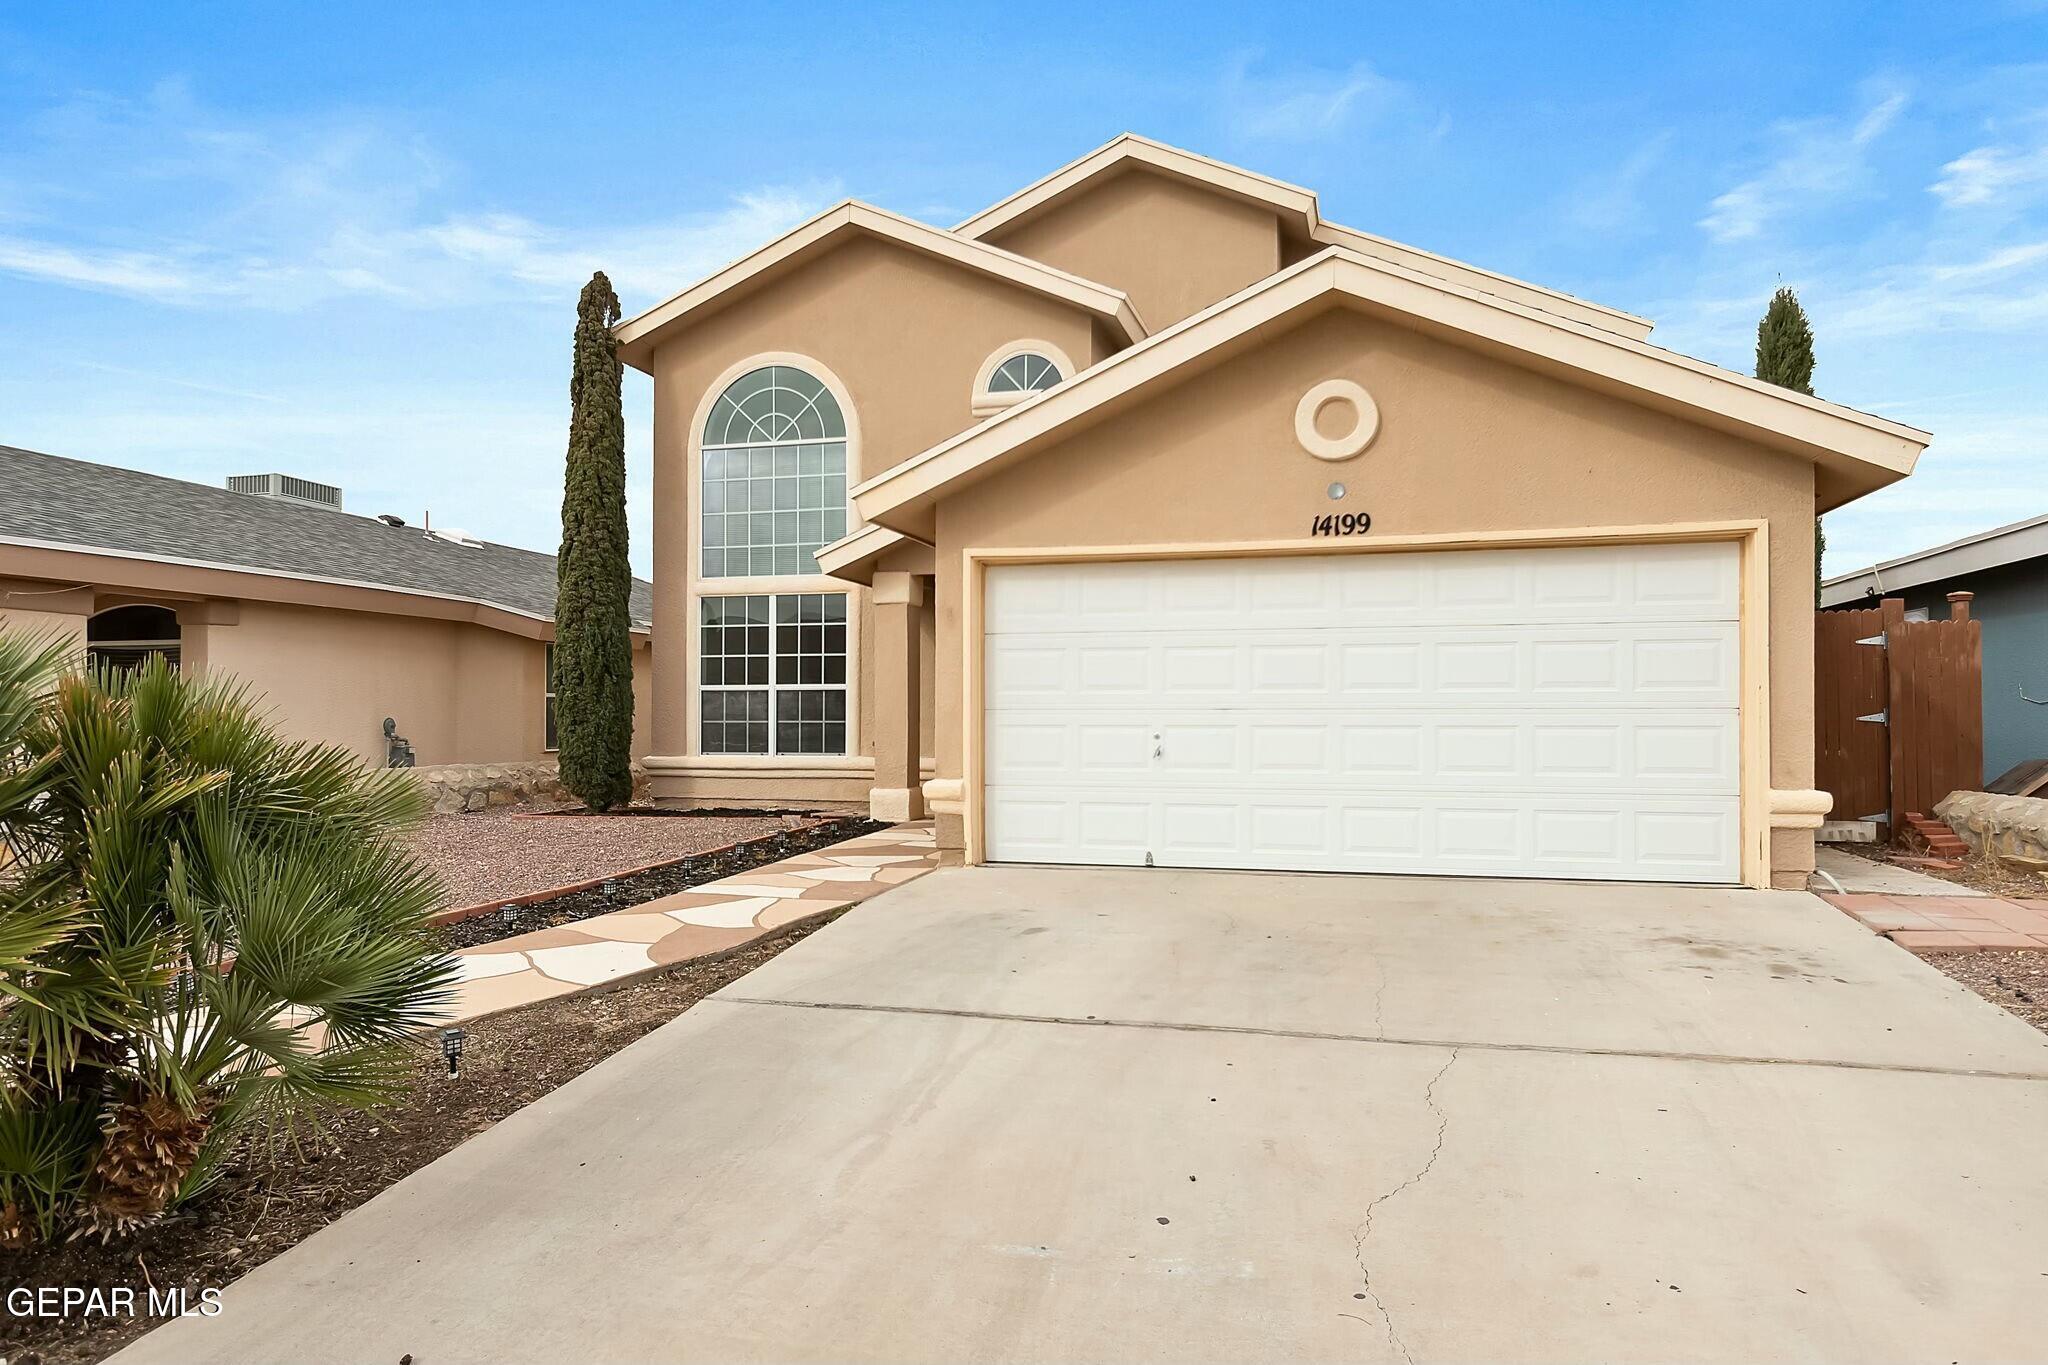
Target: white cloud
[
  {"x": 1303, "y": 105},
  {"x": 1818, "y": 158},
  {"x": 140, "y": 273},
  {"x": 1990, "y": 175},
  {"x": 324, "y": 208}
]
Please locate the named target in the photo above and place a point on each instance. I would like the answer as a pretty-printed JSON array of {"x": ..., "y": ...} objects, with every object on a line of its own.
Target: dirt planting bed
[
  {"x": 622, "y": 893},
  {"x": 496, "y": 853},
  {"x": 270, "y": 1201}
]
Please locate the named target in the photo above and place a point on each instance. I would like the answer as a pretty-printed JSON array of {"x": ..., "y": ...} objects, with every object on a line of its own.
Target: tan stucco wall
[
  {"x": 1174, "y": 248},
  {"x": 44, "y": 608},
  {"x": 1468, "y": 443},
  {"x": 905, "y": 334},
  {"x": 461, "y": 693}
]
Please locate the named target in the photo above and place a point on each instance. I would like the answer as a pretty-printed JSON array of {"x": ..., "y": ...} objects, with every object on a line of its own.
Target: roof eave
[
  {"x": 1864, "y": 452},
  {"x": 638, "y": 336},
  {"x": 541, "y": 625},
  {"x": 1998, "y": 548}
]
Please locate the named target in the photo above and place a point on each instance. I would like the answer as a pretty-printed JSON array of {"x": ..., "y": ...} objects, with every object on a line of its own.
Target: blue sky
[{"x": 345, "y": 241}]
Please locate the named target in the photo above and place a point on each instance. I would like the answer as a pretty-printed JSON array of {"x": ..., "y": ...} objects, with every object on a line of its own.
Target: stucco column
[
  {"x": 199, "y": 626},
  {"x": 898, "y": 792}
]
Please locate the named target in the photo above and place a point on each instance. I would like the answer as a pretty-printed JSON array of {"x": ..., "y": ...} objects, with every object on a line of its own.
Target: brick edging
[{"x": 456, "y": 916}]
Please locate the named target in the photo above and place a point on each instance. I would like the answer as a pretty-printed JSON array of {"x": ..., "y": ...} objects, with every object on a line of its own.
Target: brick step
[{"x": 1941, "y": 841}]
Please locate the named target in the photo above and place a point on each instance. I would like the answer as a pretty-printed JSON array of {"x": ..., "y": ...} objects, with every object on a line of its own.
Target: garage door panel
[
  {"x": 1627, "y": 666},
  {"x": 1450, "y": 832},
  {"x": 1569, "y": 713},
  {"x": 1527, "y": 750},
  {"x": 1686, "y": 582}
]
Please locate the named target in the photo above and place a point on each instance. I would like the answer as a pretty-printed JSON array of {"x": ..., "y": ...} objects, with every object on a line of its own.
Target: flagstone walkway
[{"x": 606, "y": 949}]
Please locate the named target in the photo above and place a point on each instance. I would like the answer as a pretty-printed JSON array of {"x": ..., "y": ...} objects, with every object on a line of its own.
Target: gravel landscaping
[
  {"x": 2016, "y": 981},
  {"x": 504, "y": 852},
  {"x": 623, "y": 893},
  {"x": 270, "y": 1200}
]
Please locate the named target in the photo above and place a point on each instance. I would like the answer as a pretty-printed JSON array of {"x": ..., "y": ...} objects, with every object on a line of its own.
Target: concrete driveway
[{"x": 1038, "y": 1114}]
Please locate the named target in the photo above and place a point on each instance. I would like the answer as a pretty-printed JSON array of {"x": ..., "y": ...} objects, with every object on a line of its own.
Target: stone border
[
  {"x": 464, "y": 788},
  {"x": 2006, "y": 826}
]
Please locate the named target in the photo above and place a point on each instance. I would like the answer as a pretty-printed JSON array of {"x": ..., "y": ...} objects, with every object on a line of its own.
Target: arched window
[
  {"x": 122, "y": 637},
  {"x": 1016, "y": 372},
  {"x": 774, "y": 475},
  {"x": 1025, "y": 373}
]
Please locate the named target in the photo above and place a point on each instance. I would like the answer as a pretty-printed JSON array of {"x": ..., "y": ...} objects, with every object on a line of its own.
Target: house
[
  {"x": 2005, "y": 571},
  {"x": 1147, "y": 518},
  {"x": 335, "y": 621}
]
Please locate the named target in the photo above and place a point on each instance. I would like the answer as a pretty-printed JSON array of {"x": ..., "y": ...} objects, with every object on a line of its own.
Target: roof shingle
[{"x": 100, "y": 507}]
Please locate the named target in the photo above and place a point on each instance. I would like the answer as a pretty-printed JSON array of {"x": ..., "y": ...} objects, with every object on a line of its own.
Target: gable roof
[
  {"x": 1856, "y": 452},
  {"x": 54, "y": 502},
  {"x": 1994, "y": 549},
  {"x": 1299, "y": 215},
  {"x": 637, "y": 335},
  {"x": 1295, "y": 206}
]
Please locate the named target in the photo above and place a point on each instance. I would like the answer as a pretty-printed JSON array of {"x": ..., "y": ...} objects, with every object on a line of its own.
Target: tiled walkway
[
  {"x": 1950, "y": 923},
  {"x": 705, "y": 919}
]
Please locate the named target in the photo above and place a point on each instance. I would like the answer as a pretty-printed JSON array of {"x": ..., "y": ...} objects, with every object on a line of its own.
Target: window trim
[
  {"x": 697, "y": 587},
  {"x": 982, "y": 403}
]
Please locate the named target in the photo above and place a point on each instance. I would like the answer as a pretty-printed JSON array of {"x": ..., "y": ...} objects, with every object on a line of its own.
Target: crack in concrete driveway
[{"x": 1364, "y": 1233}]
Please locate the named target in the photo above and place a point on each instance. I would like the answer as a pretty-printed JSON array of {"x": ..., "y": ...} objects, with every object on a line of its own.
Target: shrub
[{"x": 206, "y": 933}]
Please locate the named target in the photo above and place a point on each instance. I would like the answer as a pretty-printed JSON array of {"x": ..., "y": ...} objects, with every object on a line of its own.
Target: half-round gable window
[
  {"x": 1016, "y": 372},
  {"x": 1026, "y": 373}
]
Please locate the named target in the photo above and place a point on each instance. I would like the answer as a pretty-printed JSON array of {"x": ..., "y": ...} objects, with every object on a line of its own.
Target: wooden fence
[{"x": 1899, "y": 710}]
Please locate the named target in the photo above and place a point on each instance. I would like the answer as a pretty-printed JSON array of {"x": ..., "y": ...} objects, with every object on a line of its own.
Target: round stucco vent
[{"x": 1340, "y": 406}]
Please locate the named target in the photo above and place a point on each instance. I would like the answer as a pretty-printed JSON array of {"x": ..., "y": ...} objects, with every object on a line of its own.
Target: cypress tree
[
  {"x": 1784, "y": 356},
  {"x": 593, "y": 578}
]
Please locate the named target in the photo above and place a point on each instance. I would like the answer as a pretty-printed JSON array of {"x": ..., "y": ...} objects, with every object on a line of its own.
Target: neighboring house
[
  {"x": 2006, "y": 571},
  {"x": 335, "y": 621},
  {"x": 1157, "y": 520}
]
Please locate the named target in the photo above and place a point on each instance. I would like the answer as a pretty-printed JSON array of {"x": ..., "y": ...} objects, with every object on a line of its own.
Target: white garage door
[{"x": 1534, "y": 713}]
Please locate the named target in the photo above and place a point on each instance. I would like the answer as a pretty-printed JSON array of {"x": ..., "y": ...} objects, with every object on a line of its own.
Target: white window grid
[
  {"x": 772, "y": 674},
  {"x": 1026, "y": 372},
  {"x": 773, "y": 475}
]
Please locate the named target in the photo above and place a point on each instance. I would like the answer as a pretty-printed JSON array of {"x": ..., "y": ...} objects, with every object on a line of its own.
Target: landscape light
[{"x": 451, "y": 1048}]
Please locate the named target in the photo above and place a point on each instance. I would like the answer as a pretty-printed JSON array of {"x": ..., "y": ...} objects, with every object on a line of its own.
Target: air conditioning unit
[{"x": 286, "y": 488}]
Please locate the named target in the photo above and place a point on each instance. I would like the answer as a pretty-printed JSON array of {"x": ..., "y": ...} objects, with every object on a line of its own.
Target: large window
[
  {"x": 774, "y": 475},
  {"x": 774, "y": 674}
]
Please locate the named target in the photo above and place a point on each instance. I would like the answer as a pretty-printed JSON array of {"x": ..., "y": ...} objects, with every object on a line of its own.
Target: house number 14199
[{"x": 1340, "y": 524}]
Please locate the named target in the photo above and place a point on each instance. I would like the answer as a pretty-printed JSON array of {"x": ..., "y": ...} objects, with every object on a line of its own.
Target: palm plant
[{"x": 206, "y": 931}]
